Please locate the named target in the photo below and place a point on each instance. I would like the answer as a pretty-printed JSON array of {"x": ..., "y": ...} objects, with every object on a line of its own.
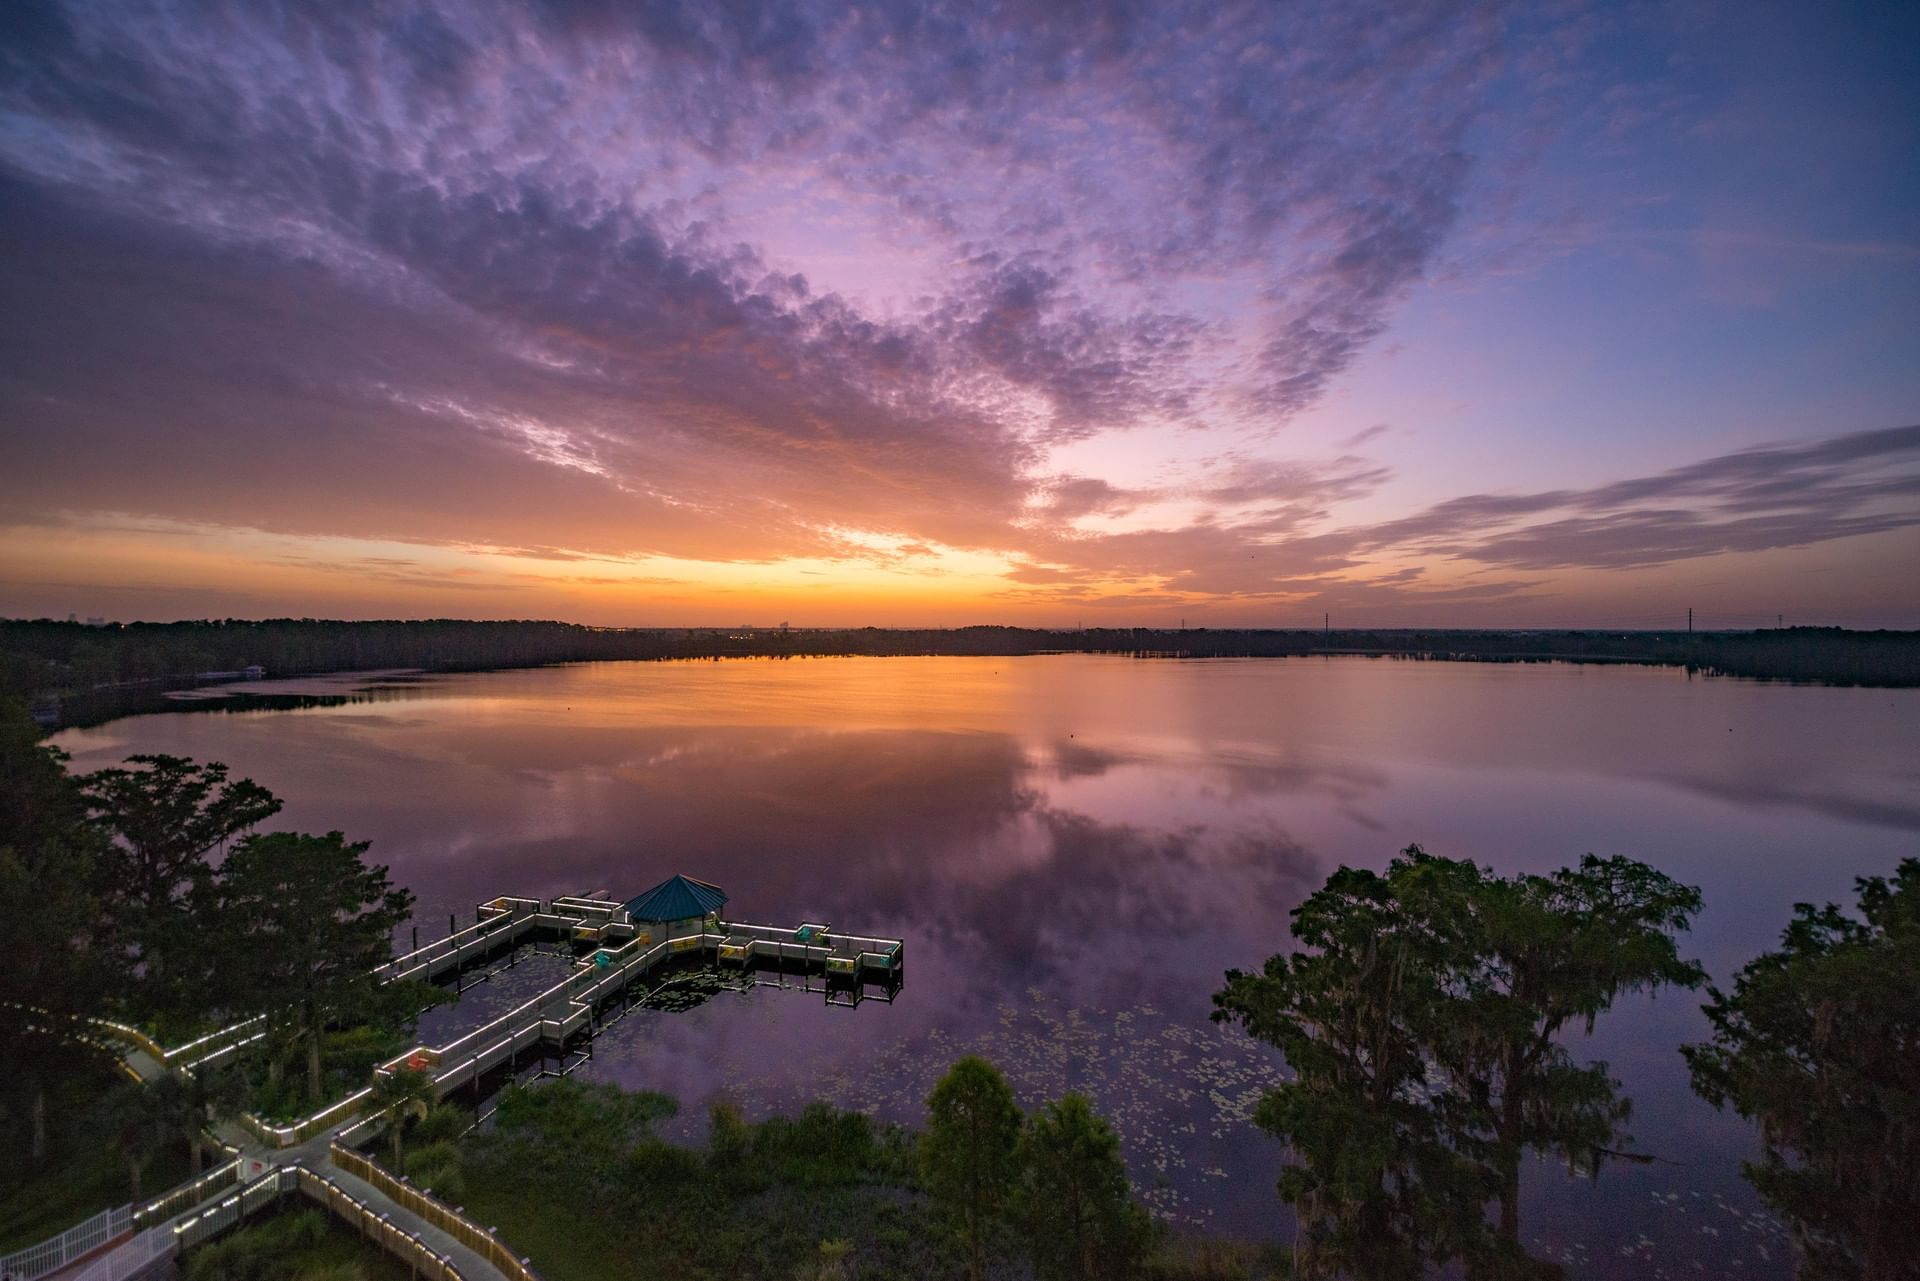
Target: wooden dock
[
  {"x": 615, "y": 962},
  {"x": 616, "y": 958}
]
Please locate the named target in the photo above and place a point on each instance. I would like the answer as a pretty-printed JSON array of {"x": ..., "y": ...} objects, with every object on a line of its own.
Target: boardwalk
[
  {"x": 616, "y": 957},
  {"x": 622, "y": 956},
  {"x": 313, "y": 1170}
]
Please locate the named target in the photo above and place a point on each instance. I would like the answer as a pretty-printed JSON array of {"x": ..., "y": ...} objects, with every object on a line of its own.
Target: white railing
[
  {"x": 187, "y": 1195},
  {"x": 602, "y": 906},
  {"x": 193, "y": 1229},
  {"x": 572, "y": 999},
  {"x": 558, "y": 1013},
  {"x": 213, "y": 1058},
  {"x": 134, "y": 1259},
  {"x": 199, "y": 1051},
  {"x": 819, "y": 937},
  {"x": 880, "y": 947},
  {"x": 773, "y": 933},
  {"x": 505, "y": 912},
  {"x": 56, "y": 1252},
  {"x": 502, "y": 913}
]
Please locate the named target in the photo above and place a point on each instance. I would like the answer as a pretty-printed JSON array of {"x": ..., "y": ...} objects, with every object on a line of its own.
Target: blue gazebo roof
[{"x": 676, "y": 899}]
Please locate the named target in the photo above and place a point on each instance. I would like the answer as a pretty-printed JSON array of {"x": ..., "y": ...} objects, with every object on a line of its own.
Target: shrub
[{"x": 443, "y": 1123}]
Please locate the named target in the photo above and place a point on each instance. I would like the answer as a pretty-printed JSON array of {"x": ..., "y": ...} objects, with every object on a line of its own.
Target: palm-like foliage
[{"x": 404, "y": 1095}]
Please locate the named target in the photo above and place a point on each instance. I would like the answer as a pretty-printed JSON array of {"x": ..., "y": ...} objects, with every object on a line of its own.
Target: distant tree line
[{"x": 47, "y": 658}]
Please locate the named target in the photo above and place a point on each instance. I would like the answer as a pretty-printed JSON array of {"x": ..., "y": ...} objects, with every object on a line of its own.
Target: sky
[{"x": 1056, "y": 313}]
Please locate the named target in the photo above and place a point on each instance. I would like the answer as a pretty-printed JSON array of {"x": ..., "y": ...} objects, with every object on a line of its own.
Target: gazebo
[{"x": 677, "y": 906}]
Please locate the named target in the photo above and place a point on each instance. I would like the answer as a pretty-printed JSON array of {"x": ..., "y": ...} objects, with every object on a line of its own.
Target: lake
[{"x": 1075, "y": 848}]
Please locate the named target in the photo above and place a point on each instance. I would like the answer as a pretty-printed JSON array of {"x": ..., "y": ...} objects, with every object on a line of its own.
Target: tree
[
  {"x": 1422, "y": 1027},
  {"x": 165, "y": 820},
  {"x": 307, "y": 921},
  {"x": 54, "y": 970},
  {"x": 1075, "y": 1203},
  {"x": 402, "y": 1094},
  {"x": 1376, "y": 1188},
  {"x": 1819, "y": 1042},
  {"x": 967, "y": 1153},
  {"x": 210, "y": 1094},
  {"x": 1550, "y": 950},
  {"x": 142, "y": 1117}
]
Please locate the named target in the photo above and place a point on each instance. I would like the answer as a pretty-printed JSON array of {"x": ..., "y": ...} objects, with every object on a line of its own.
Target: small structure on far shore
[{"x": 252, "y": 672}]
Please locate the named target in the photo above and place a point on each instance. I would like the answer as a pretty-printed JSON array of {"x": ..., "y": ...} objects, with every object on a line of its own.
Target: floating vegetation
[
  {"x": 1180, "y": 1095},
  {"x": 692, "y": 988}
]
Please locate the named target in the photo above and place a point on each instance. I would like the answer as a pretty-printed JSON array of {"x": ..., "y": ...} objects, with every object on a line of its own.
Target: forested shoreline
[{"x": 50, "y": 660}]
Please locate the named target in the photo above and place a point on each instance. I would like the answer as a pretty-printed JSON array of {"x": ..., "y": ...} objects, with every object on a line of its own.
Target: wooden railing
[
  {"x": 464, "y": 1230},
  {"x": 135, "y": 1036},
  {"x": 423, "y": 1260}
]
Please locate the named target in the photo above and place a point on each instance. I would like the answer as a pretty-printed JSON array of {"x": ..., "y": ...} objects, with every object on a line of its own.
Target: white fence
[
  {"x": 56, "y": 1252},
  {"x": 137, "y": 1258},
  {"x": 187, "y": 1195}
]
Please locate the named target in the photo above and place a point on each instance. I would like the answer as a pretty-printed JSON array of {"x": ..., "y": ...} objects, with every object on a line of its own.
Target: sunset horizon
[
  {"x": 1021, "y": 640},
  {"x": 1415, "y": 316}
]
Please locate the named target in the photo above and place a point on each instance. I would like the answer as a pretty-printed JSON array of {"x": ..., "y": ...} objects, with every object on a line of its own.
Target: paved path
[
  {"x": 144, "y": 1065},
  {"x": 472, "y": 1265},
  {"x": 315, "y": 1154}
]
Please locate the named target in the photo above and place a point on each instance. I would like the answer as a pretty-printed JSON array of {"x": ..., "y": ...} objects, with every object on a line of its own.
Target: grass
[
  {"x": 573, "y": 1176},
  {"x": 75, "y": 1187},
  {"x": 293, "y": 1244},
  {"x": 81, "y": 1175}
]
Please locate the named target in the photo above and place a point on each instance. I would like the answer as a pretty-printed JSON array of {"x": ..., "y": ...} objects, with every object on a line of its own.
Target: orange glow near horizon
[
  {"x": 566, "y": 315},
  {"x": 127, "y": 570}
]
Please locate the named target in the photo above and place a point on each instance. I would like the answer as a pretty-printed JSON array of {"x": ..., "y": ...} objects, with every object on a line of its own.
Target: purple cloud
[{"x": 759, "y": 281}]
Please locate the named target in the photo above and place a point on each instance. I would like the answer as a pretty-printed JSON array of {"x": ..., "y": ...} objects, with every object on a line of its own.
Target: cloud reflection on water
[{"x": 1076, "y": 848}]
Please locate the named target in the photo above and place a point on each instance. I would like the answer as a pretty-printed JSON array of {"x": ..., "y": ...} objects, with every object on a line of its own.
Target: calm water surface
[{"x": 1076, "y": 847}]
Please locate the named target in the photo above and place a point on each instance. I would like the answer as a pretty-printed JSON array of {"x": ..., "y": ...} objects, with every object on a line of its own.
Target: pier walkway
[
  {"x": 616, "y": 958},
  {"x": 420, "y": 1232},
  {"x": 620, "y": 956}
]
